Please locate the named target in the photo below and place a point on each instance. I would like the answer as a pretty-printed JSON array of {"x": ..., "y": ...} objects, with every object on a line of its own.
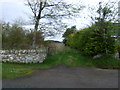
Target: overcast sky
[{"x": 16, "y": 9}]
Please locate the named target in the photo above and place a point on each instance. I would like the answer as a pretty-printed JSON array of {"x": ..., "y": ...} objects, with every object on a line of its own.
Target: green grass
[
  {"x": 107, "y": 63},
  {"x": 12, "y": 70},
  {"x": 67, "y": 57},
  {"x": 72, "y": 57}
]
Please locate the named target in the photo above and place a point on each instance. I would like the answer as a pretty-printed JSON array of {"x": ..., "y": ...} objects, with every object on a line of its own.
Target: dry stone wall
[{"x": 23, "y": 56}]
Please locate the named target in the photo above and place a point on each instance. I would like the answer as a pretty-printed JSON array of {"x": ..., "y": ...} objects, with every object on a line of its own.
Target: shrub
[
  {"x": 118, "y": 48},
  {"x": 67, "y": 33},
  {"x": 15, "y": 37},
  {"x": 92, "y": 41}
]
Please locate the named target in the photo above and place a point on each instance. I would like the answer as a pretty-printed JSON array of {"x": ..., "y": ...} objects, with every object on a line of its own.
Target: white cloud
[
  {"x": 12, "y": 9},
  {"x": 11, "y": 1}
]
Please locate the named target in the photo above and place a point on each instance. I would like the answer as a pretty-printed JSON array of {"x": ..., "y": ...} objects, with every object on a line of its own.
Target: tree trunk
[
  {"x": 34, "y": 37},
  {"x": 37, "y": 18}
]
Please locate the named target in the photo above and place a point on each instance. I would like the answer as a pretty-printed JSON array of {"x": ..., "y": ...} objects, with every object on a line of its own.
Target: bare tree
[
  {"x": 50, "y": 13},
  {"x": 106, "y": 11}
]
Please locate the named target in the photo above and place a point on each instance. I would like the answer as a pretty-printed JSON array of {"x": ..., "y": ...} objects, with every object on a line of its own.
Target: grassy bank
[
  {"x": 72, "y": 57},
  {"x": 12, "y": 70},
  {"x": 66, "y": 56}
]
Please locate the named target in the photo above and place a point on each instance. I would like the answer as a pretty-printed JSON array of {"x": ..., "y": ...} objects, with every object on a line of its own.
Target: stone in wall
[{"x": 23, "y": 56}]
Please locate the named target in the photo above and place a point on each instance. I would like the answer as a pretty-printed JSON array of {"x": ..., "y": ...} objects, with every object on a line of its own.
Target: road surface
[{"x": 66, "y": 77}]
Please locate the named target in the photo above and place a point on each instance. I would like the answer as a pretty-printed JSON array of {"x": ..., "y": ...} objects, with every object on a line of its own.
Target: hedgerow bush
[{"x": 92, "y": 43}]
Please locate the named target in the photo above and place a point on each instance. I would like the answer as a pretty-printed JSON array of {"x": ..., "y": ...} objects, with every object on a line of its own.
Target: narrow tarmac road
[{"x": 66, "y": 77}]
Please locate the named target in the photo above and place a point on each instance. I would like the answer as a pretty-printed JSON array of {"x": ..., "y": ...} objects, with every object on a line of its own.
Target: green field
[{"x": 67, "y": 57}]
